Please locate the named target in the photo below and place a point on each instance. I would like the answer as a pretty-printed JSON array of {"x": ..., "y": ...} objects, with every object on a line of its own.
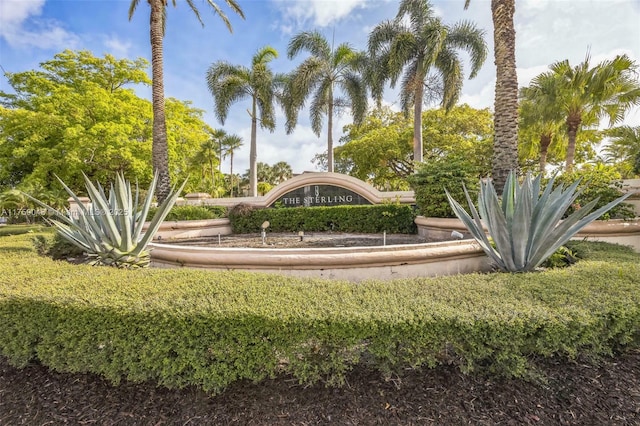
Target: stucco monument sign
[
  {"x": 311, "y": 189},
  {"x": 320, "y": 195}
]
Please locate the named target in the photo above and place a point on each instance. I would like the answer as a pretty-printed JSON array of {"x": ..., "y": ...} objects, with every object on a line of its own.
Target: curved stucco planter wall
[
  {"x": 185, "y": 229},
  {"x": 625, "y": 232},
  {"x": 344, "y": 263}
]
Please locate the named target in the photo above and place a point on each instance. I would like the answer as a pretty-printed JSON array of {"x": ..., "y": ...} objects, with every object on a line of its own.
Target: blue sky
[{"x": 32, "y": 31}]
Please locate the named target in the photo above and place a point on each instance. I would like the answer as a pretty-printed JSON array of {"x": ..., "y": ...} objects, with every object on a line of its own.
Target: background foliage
[{"x": 81, "y": 113}]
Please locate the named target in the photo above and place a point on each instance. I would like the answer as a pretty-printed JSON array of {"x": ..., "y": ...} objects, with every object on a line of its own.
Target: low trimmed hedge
[
  {"x": 182, "y": 327},
  {"x": 192, "y": 213},
  {"x": 393, "y": 218},
  {"x": 21, "y": 229}
]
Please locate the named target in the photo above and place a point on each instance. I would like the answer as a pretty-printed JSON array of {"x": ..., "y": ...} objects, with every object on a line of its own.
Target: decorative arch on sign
[{"x": 327, "y": 189}]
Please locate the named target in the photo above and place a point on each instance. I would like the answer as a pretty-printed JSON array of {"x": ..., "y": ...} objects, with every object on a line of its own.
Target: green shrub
[
  {"x": 561, "y": 258},
  {"x": 186, "y": 327},
  {"x": 20, "y": 229},
  {"x": 55, "y": 246},
  {"x": 603, "y": 182},
  {"x": 434, "y": 175},
  {"x": 193, "y": 213},
  {"x": 393, "y": 218}
]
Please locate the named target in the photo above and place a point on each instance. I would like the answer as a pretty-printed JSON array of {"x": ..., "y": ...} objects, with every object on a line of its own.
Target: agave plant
[
  {"x": 109, "y": 229},
  {"x": 526, "y": 225}
]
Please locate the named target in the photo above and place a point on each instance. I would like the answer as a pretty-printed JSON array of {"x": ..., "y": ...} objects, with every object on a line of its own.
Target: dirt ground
[{"x": 575, "y": 393}]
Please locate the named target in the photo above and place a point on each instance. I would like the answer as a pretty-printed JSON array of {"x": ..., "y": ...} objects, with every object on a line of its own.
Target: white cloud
[
  {"x": 319, "y": 13},
  {"x": 118, "y": 48},
  {"x": 20, "y": 27},
  {"x": 14, "y": 12}
]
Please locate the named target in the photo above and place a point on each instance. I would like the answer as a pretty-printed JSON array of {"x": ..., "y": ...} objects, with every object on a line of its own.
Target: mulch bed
[
  {"x": 574, "y": 393},
  {"x": 308, "y": 240}
]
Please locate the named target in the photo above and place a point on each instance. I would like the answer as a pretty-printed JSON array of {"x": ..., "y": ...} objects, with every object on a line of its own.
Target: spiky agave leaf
[
  {"x": 526, "y": 226},
  {"x": 110, "y": 229}
]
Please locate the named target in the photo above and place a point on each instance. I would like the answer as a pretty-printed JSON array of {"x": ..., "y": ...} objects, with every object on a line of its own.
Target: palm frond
[
  {"x": 419, "y": 12},
  {"x": 382, "y": 35},
  {"x": 402, "y": 51},
  {"x": 408, "y": 87},
  {"x": 467, "y": 36},
  {"x": 311, "y": 41},
  {"x": 323, "y": 95},
  {"x": 227, "y": 84},
  {"x": 353, "y": 85},
  {"x": 132, "y": 7},
  {"x": 449, "y": 66},
  {"x": 264, "y": 55}
]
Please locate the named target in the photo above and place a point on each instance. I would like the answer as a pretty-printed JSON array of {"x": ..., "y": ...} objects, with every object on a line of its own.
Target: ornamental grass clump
[
  {"x": 110, "y": 228},
  {"x": 526, "y": 224}
]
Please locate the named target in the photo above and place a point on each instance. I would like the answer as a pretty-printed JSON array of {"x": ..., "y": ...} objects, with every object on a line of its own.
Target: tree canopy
[
  {"x": 80, "y": 114},
  {"x": 380, "y": 150}
]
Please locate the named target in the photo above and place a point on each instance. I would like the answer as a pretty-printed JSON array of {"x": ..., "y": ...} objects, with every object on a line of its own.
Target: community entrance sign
[
  {"x": 312, "y": 189},
  {"x": 320, "y": 195}
]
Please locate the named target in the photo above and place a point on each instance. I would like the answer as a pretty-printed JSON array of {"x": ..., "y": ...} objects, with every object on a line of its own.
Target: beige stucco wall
[{"x": 345, "y": 263}]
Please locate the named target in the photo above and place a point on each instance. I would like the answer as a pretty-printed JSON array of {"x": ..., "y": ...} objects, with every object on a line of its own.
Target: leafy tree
[
  {"x": 505, "y": 145},
  {"x": 380, "y": 149},
  {"x": 413, "y": 45},
  {"x": 157, "y": 25},
  {"x": 339, "y": 165},
  {"x": 462, "y": 131},
  {"x": 321, "y": 76},
  {"x": 598, "y": 181},
  {"x": 454, "y": 172},
  {"x": 78, "y": 113},
  {"x": 264, "y": 187},
  {"x": 231, "y": 83},
  {"x": 585, "y": 94}
]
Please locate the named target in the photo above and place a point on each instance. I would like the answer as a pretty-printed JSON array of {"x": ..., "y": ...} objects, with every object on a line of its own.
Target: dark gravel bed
[{"x": 573, "y": 393}]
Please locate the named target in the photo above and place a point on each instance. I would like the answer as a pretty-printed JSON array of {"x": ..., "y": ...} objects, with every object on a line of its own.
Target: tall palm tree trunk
[
  {"x": 505, "y": 146},
  {"x": 159, "y": 152},
  {"x": 572, "y": 131},
  {"x": 213, "y": 173},
  {"x": 330, "y": 167},
  {"x": 545, "y": 141},
  {"x": 417, "y": 123},
  {"x": 231, "y": 175},
  {"x": 253, "y": 152}
]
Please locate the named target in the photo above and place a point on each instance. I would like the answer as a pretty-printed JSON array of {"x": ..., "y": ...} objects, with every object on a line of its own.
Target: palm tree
[
  {"x": 230, "y": 143},
  {"x": 624, "y": 147},
  {"x": 158, "y": 12},
  {"x": 265, "y": 173},
  {"x": 209, "y": 154},
  {"x": 505, "y": 141},
  {"x": 230, "y": 83},
  {"x": 321, "y": 76},
  {"x": 540, "y": 122},
  {"x": 412, "y": 47},
  {"x": 585, "y": 95},
  {"x": 281, "y": 172}
]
